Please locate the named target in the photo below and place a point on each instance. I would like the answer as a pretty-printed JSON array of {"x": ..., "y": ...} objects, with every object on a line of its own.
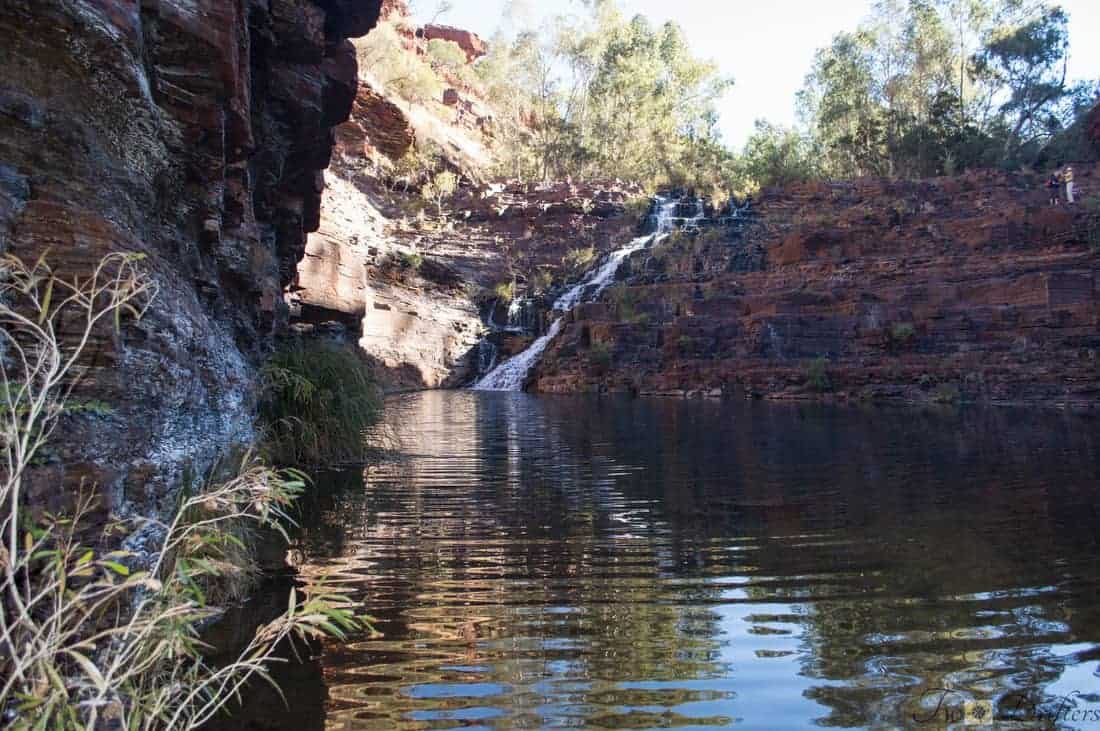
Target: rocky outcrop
[
  {"x": 951, "y": 289},
  {"x": 195, "y": 132},
  {"x": 376, "y": 125},
  {"x": 413, "y": 289},
  {"x": 470, "y": 43}
]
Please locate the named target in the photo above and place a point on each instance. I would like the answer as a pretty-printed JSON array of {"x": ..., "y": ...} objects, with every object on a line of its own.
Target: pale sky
[{"x": 766, "y": 45}]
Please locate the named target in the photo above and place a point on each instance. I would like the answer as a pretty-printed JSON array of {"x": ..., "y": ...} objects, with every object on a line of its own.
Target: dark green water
[{"x": 547, "y": 562}]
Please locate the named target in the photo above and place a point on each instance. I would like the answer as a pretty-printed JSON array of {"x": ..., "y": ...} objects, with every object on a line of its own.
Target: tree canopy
[
  {"x": 921, "y": 88},
  {"x": 603, "y": 95},
  {"x": 931, "y": 87}
]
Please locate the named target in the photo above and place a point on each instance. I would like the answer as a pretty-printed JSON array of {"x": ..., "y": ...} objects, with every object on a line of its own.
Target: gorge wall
[
  {"x": 194, "y": 132},
  {"x": 414, "y": 287},
  {"x": 965, "y": 288}
]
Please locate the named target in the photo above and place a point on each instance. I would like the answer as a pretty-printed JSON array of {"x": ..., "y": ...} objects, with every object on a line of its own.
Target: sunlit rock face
[
  {"x": 967, "y": 288},
  {"x": 195, "y": 132}
]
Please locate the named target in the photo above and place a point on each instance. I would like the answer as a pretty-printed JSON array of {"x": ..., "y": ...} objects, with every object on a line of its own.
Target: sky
[{"x": 767, "y": 46}]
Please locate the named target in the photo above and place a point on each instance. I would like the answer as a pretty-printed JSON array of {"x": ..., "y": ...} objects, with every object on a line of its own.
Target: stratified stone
[
  {"x": 193, "y": 131},
  {"x": 955, "y": 288}
]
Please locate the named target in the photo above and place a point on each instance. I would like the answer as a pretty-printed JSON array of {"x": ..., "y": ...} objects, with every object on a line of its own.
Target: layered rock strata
[
  {"x": 970, "y": 288},
  {"x": 194, "y": 132}
]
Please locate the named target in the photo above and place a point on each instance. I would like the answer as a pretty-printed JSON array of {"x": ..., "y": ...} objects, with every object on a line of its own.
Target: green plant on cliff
[
  {"x": 317, "y": 402},
  {"x": 626, "y": 301},
  {"x": 817, "y": 375},
  {"x": 902, "y": 334},
  {"x": 439, "y": 189},
  {"x": 578, "y": 260},
  {"x": 447, "y": 54},
  {"x": 399, "y": 72},
  {"x": 599, "y": 355},
  {"x": 506, "y": 291},
  {"x": 87, "y": 638},
  {"x": 542, "y": 281}
]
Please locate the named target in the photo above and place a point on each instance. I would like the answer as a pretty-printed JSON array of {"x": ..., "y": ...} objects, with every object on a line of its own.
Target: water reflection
[{"x": 543, "y": 563}]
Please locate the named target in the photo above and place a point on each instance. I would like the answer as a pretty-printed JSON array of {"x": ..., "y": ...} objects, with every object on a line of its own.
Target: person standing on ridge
[
  {"x": 1067, "y": 178},
  {"x": 1053, "y": 185}
]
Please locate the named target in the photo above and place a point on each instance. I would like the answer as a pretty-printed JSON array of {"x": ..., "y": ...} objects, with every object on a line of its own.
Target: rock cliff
[
  {"x": 965, "y": 288},
  {"x": 414, "y": 291},
  {"x": 195, "y": 132},
  {"x": 414, "y": 288}
]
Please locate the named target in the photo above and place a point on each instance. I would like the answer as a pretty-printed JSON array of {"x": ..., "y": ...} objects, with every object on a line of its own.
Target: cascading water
[{"x": 510, "y": 375}]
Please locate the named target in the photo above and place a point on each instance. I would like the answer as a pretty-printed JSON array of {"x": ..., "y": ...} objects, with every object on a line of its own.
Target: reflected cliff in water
[{"x": 573, "y": 562}]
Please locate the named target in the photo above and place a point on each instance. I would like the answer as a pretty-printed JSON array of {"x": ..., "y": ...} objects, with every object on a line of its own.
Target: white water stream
[{"x": 510, "y": 375}]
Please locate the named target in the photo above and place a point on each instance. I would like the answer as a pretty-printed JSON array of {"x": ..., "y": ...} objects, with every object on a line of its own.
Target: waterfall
[
  {"x": 516, "y": 313},
  {"x": 510, "y": 375}
]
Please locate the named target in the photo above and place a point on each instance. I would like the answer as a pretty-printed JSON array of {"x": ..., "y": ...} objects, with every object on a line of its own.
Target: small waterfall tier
[{"x": 512, "y": 374}]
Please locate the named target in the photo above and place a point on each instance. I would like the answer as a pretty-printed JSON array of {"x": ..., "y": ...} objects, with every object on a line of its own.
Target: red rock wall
[
  {"x": 469, "y": 42},
  {"x": 950, "y": 289},
  {"x": 195, "y": 131}
]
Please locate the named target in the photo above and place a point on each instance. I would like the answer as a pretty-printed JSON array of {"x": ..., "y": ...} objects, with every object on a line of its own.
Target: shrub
[
  {"x": 903, "y": 332},
  {"x": 440, "y": 189},
  {"x": 817, "y": 375},
  {"x": 316, "y": 403},
  {"x": 542, "y": 281},
  {"x": 87, "y": 641},
  {"x": 506, "y": 291},
  {"x": 901, "y": 335},
  {"x": 400, "y": 73},
  {"x": 945, "y": 393},
  {"x": 412, "y": 260},
  {"x": 637, "y": 209},
  {"x": 578, "y": 260},
  {"x": 447, "y": 54},
  {"x": 599, "y": 355}
]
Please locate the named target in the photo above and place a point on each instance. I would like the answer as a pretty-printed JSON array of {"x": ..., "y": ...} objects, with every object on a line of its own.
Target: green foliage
[
  {"x": 506, "y": 291},
  {"x": 637, "y": 209},
  {"x": 316, "y": 403},
  {"x": 412, "y": 260},
  {"x": 439, "y": 189},
  {"x": 817, "y": 375},
  {"x": 776, "y": 156},
  {"x": 76, "y": 406},
  {"x": 599, "y": 355},
  {"x": 542, "y": 281},
  {"x": 930, "y": 88},
  {"x": 447, "y": 54},
  {"x": 902, "y": 333},
  {"x": 691, "y": 346},
  {"x": 946, "y": 393},
  {"x": 400, "y": 73},
  {"x": 605, "y": 96},
  {"x": 415, "y": 167},
  {"x": 88, "y": 638},
  {"x": 578, "y": 260},
  {"x": 625, "y": 299}
]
